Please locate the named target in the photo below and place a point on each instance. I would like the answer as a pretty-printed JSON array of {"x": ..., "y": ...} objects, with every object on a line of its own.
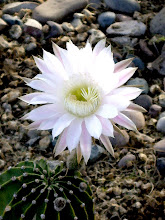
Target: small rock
[
  {"x": 158, "y": 19},
  {"x": 160, "y": 163},
  {"x": 3, "y": 44},
  {"x": 162, "y": 115},
  {"x": 67, "y": 26},
  {"x": 155, "y": 110},
  {"x": 143, "y": 157},
  {"x": 126, "y": 6},
  {"x": 137, "y": 118},
  {"x": 32, "y": 133},
  {"x": 96, "y": 35},
  {"x": 53, "y": 10},
  {"x": 155, "y": 89},
  {"x": 138, "y": 63},
  {"x": 139, "y": 81},
  {"x": 79, "y": 15},
  {"x": 11, "y": 96},
  {"x": 96, "y": 153},
  {"x": 44, "y": 143},
  {"x": 82, "y": 36},
  {"x": 106, "y": 18},
  {"x": 125, "y": 41},
  {"x": 129, "y": 28},
  {"x": 32, "y": 141},
  {"x": 144, "y": 47},
  {"x": 95, "y": 3},
  {"x": 121, "y": 17},
  {"x": 120, "y": 140},
  {"x": 76, "y": 22},
  {"x": 117, "y": 191},
  {"x": 137, "y": 205},
  {"x": 19, "y": 51},
  {"x": 31, "y": 46},
  {"x": 2, "y": 164},
  {"x": 159, "y": 147},
  {"x": 33, "y": 28},
  {"x": 11, "y": 20},
  {"x": 161, "y": 125},
  {"x": 3, "y": 24},
  {"x": 15, "y": 31},
  {"x": 55, "y": 29},
  {"x": 162, "y": 99},
  {"x": 159, "y": 63},
  {"x": 127, "y": 158},
  {"x": 144, "y": 100}
]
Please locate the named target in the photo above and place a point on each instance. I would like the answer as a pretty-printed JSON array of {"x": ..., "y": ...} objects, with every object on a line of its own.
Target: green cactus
[{"x": 34, "y": 190}]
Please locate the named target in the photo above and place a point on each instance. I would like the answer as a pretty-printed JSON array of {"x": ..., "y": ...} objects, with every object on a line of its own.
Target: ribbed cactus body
[{"x": 35, "y": 190}]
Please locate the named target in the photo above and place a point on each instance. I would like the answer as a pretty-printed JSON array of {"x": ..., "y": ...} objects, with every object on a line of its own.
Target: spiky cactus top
[{"x": 36, "y": 190}]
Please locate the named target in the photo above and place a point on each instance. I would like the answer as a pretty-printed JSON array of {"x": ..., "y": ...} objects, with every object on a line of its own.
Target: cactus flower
[{"x": 82, "y": 96}]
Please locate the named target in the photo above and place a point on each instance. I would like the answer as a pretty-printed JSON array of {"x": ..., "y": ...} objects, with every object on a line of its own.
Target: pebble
[
  {"x": 125, "y": 41},
  {"x": 162, "y": 99},
  {"x": 55, "y": 29},
  {"x": 31, "y": 46},
  {"x": 158, "y": 19},
  {"x": 121, "y": 17},
  {"x": 140, "y": 81},
  {"x": 161, "y": 125},
  {"x": 96, "y": 153},
  {"x": 15, "y": 31},
  {"x": 3, "y": 43},
  {"x": 11, "y": 20},
  {"x": 159, "y": 63},
  {"x": 33, "y": 28},
  {"x": 96, "y": 35},
  {"x": 19, "y": 51},
  {"x": 130, "y": 28},
  {"x": 155, "y": 88},
  {"x": 106, "y": 18},
  {"x": 2, "y": 164},
  {"x": 11, "y": 96},
  {"x": 160, "y": 163},
  {"x": 144, "y": 47},
  {"x": 3, "y": 24},
  {"x": 120, "y": 140},
  {"x": 67, "y": 26},
  {"x": 17, "y": 6},
  {"x": 125, "y": 6},
  {"x": 137, "y": 118},
  {"x": 125, "y": 160},
  {"x": 144, "y": 100},
  {"x": 44, "y": 142},
  {"x": 162, "y": 115},
  {"x": 76, "y": 22},
  {"x": 82, "y": 36},
  {"x": 143, "y": 157},
  {"x": 138, "y": 63},
  {"x": 159, "y": 147},
  {"x": 53, "y": 10},
  {"x": 155, "y": 110}
]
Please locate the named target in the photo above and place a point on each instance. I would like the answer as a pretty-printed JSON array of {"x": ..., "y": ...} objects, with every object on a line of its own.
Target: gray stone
[
  {"x": 2, "y": 164},
  {"x": 53, "y": 10},
  {"x": 161, "y": 125},
  {"x": 159, "y": 147},
  {"x": 96, "y": 153},
  {"x": 157, "y": 24},
  {"x": 3, "y": 43},
  {"x": 82, "y": 36},
  {"x": 106, "y": 18},
  {"x": 162, "y": 115},
  {"x": 33, "y": 27},
  {"x": 162, "y": 99},
  {"x": 11, "y": 96},
  {"x": 129, "y": 28},
  {"x": 137, "y": 118},
  {"x": 159, "y": 63},
  {"x": 44, "y": 142},
  {"x": 3, "y": 24},
  {"x": 17, "y": 6},
  {"x": 139, "y": 81},
  {"x": 31, "y": 46},
  {"x": 95, "y": 3},
  {"x": 120, "y": 140},
  {"x": 126, "y": 6},
  {"x": 155, "y": 110},
  {"x": 15, "y": 31},
  {"x": 67, "y": 26},
  {"x": 121, "y": 17},
  {"x": 11, "y": 20},
  {"x": 76, "y": 22},
  {"x": 160, "y": 163},
  {"x": 125, "y": 160},
  {"x": 96, "y": 35},
  {"x": 144, "y": 100},
  {"x": 125, "y": 41},
  {"x": 55, "y": 29}
]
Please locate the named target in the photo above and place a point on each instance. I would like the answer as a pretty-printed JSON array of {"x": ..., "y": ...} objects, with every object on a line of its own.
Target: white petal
[
  {"x": 93, "y": 126},
  {"x": 58, "y": 51},
  {"x": 41, "y": 65},
  {"x": 129, "y": 92},
  {"x": 117, "y": 101},
  {"x": 48, "y": 123},
  {"x": 73, "y": 134},
  {"x": 99, "y": 47},
  {"x": 29, "y": 97},
  {"x": 106, "y": 126},
  {"x": 122, "y": 65},
  {"x": 107, "y": 111},
  {"x": 85, "y": 143},
  {"x": 107, "y": 144},
  {"x": 41, "y": 86},
  {"x": 63, "y": 122},
  {"x": 61, "y": 143},
  {"x": 124, "y": 121}
]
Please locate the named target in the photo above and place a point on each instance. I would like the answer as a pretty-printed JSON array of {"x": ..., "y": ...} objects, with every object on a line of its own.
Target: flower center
[{"x": 82, "y": 100}]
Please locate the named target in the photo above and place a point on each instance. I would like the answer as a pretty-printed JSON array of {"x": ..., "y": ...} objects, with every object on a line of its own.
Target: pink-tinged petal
[
  {"x": 118, "y": 101},
  {"x": 122, "y": 65},
  {"x": 41, "y": 86},
  {"x": 49, "y": 123},
  {"x": 41, "y": 65},
  {"x": 35, "y": 125},
  {"x": 58, "y": 51},
  {"x": 61, "y": 143},
  {"x": 129, "y": 92},
  {"x": 63, "y": 122},
  {"x": 85, "y": 143},
  {"x": 107, "y": 144},
  {"x": 99, "y": 47},
  {"x": 107, "y": 127},
  {"x": 107, "y": 111},
  {"x": 73, "y": 134},
  {"x": 79, "y": 154},
  {"x": 93, "y": 126},
  {"x": 125, "y": 75},
  {"x": 135, "y": 107},
  {"x": 29, "y": 97},
  {"x": 124, "y": 121}
]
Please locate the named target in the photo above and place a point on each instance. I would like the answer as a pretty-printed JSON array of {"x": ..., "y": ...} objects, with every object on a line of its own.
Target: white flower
[{"x": 82, "y": 95}]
